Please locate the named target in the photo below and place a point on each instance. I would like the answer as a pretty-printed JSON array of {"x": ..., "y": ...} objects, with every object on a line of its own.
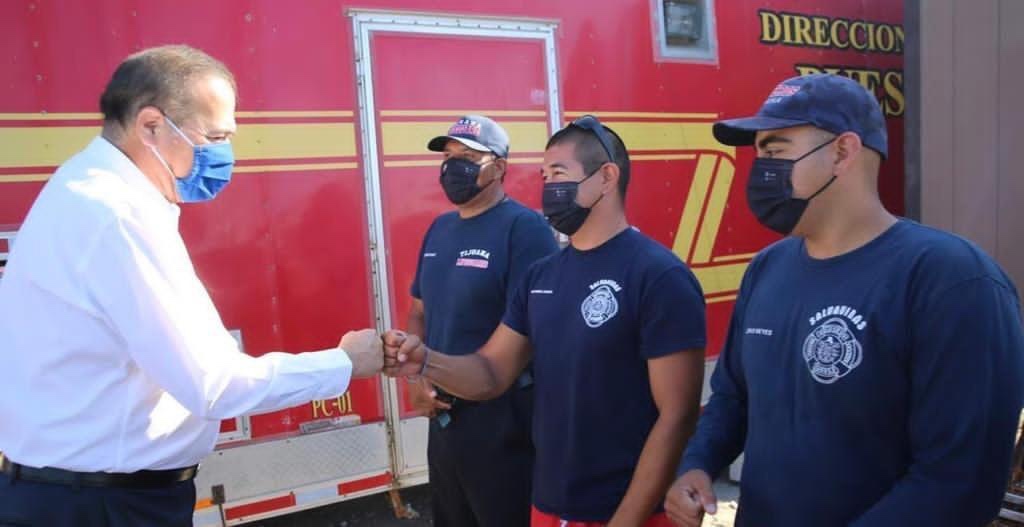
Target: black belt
[{"x": 143, "y": 479}]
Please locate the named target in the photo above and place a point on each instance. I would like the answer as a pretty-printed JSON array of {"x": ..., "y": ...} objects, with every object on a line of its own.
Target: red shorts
[{"x": 541, "y": 519}]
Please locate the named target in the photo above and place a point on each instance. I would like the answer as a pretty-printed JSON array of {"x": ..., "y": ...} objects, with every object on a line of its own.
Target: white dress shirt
[{"x": 113, "y": 357}]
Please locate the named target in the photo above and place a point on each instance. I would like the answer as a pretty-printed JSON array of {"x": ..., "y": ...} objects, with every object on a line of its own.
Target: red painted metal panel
[
  {"x": 350, "y": 487},
  {"x": 15, "y": 200},
  {"x": 61, "y": 52},
  {"x": 260, "y": 507},
  {"x": 228, "y": 425}
]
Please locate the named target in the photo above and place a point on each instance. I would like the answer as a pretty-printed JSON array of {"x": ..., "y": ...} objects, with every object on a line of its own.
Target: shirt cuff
[
  {"x": 518, "y": 328},
  {"x": 337, "y": 368},
  {"x": 654, "y": 352}
]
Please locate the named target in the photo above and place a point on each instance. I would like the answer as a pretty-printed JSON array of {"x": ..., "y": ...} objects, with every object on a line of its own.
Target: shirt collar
[{"x": 120, "y": 164}]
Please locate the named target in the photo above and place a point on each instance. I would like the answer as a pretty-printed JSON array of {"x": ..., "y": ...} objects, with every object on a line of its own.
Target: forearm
[
  {"x": 471, "y": 377},
  {"x": 297, "y": 378},
  {"x": 719, "y": 438},
  {"x": 655, "y": 470}
]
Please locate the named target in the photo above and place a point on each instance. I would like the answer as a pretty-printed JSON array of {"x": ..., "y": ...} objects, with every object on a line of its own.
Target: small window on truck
[{"x": 684, "y": 30}]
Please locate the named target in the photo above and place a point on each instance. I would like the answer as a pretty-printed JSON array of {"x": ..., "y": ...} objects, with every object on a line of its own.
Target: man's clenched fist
[{"x": 364, "y": 349}]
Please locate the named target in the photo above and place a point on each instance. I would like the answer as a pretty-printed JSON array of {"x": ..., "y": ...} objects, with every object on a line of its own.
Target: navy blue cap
[
  {"x": 830, "y": 102},
  {"x": 476, "y": 132}
]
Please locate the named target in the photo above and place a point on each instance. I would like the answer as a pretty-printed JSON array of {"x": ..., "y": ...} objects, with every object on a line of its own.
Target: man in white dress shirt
[{"x": 117, "y": 368}]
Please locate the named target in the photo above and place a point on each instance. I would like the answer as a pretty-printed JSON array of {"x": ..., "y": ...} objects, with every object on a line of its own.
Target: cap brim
[
  {"x": 741, "y": 132},
  {"x": 437, "y": 144}
]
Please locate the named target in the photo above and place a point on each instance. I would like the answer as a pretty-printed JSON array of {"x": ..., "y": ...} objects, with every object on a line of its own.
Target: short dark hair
[
  {"x": 159, "y": 77},
  {"x": 589, "y": 152}
]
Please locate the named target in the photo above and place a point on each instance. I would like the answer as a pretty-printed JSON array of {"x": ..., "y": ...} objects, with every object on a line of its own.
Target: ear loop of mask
[
  {"x": 160, "y": 158},
  {"x": 491, "y": 162},
  {"x": 592, "y": 174},
  {"x": 832, "y": 179},
  {"x": 156, "y": 153}
]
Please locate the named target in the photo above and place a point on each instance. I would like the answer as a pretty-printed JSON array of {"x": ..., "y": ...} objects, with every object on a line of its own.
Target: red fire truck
[{"x": 334, "y": 187}]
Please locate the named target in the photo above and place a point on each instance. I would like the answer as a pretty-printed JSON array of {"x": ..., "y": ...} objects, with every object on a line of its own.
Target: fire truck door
[{"x": 417, "y": 75}]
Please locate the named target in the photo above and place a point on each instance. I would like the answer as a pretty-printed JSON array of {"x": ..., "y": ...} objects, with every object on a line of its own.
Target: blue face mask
[{"x": 211, "y": 169}]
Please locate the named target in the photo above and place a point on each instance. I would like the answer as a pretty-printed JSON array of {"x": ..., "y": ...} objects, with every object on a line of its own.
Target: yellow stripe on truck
[
  {"x": 411, "y": 137},
  {"x": 48, "y": 146},
  {"x": 720, "y": 278},
  {"x": 295, "y": 140},
  {"x": 714, "y": 211},
  {"x": 42, "y": 146},
  {"x": 641, "y": 136}
]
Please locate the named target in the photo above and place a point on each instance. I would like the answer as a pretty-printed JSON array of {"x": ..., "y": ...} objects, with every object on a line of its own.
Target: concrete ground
[{"x": 375, "y": 511}]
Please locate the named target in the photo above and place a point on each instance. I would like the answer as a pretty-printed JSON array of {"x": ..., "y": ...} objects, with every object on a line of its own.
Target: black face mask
[
  {"x": 560, "y": 207},
  {"x": 770, "y": 192},
  {"x": 458, "y": 179}
]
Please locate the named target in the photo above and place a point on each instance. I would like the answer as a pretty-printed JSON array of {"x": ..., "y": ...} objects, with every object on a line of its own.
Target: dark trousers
[
  {"x": 481, "y": 463},
  {"x": 30, "y": 504}
]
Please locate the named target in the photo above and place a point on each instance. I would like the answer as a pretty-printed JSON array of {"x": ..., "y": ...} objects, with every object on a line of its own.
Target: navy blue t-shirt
[
  {"x": 594, "y": 318},
  {"x": 468, "y": 268},
  {"x": 880, "y": 387}
]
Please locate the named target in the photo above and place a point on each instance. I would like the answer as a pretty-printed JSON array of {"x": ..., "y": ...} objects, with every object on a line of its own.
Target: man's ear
[
  {"x": 146, "y": 122},
  {"x": 502, "y": 165},
  {"x": 848, "y": 148},
  {"x": 610, "y": 176}
]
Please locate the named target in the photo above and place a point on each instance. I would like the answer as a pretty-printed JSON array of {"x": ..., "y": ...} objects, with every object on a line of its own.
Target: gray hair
[{"x": 160, "y": 77}]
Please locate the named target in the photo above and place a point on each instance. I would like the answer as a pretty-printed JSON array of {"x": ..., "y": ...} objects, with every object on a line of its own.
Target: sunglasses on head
[{"x": 590, "y": 123}]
